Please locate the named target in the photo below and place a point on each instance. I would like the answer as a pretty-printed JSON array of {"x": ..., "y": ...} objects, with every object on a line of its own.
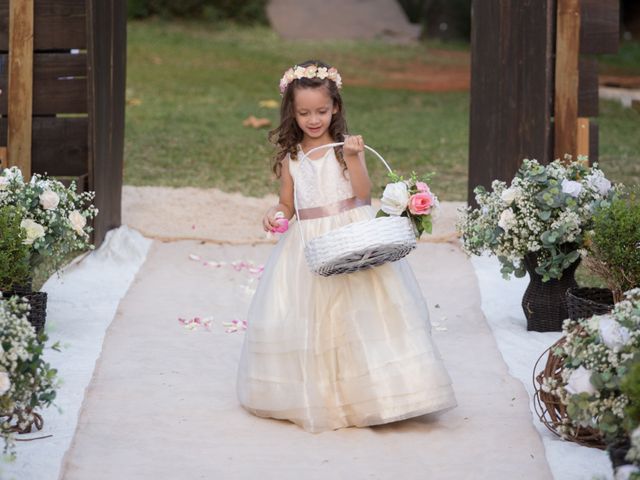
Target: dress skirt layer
[{"x": 346, "y": 350}]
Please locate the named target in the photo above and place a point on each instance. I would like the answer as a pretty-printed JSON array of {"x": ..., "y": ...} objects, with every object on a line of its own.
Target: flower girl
[{"x": 346, "y": 350}]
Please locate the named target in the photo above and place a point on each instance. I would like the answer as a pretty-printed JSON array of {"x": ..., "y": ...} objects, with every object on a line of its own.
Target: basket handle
[{"x": 306, "y": 157}]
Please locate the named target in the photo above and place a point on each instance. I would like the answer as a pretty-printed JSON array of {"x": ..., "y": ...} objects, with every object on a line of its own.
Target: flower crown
[{"x": 312, "y": 71}]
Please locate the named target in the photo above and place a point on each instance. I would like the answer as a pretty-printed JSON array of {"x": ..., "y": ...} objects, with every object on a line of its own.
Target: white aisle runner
[
  {"x": 81, "y": 305},
  {"x": 162, "y": 405}
]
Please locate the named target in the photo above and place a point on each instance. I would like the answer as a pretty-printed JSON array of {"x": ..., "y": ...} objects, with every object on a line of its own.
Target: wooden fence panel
[
  {"x": 600, "y": 26},
  {"x": 59, "y": 83},
  {"x": 58, "y": 25},
  {"x": 59, "y": 145}
]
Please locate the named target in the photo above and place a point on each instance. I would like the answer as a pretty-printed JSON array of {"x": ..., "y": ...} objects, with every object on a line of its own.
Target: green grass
[
  {"x": 625, "y": 62},
  {"x": 190, "y": 86}
]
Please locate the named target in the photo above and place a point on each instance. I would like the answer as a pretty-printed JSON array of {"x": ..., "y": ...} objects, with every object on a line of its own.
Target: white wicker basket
[{"x": 359, "y": 245}]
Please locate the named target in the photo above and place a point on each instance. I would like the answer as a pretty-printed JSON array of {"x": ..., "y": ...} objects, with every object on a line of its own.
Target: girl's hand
[
  {"x": 269, "y": 222},
  {"x": 275, "y": 220},
  {"x": 353, "y": 146}
]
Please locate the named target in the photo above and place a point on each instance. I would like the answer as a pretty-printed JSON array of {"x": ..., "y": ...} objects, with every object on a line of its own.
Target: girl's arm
[
  {"x": 286, "y": 199},
  {"x": 354, "y": 158}
]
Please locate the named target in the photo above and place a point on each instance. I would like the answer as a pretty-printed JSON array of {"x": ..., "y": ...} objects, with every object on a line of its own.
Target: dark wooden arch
[
  {"x": 69, "y": 108},
  {"x": 534, "y": 82}
]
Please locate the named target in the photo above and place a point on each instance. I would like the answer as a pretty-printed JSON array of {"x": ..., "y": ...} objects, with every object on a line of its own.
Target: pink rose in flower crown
[{"x": 421, "y": 203}]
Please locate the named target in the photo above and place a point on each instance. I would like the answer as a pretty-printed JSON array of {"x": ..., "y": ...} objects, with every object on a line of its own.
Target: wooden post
[
  {"x": 582, "y": 137},
  {"x": 511, "y": 87},
  {"x": 3, "y": 157},
  {"x": 20, "y": 85},
  {"x": 566, "y": 77}
]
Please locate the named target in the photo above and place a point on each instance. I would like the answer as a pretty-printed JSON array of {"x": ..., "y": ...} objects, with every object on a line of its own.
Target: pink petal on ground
[{"x": 195, "y": 257}]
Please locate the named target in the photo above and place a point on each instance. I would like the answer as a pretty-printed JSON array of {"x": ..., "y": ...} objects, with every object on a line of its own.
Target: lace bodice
[{"x": 319, "y": 182}]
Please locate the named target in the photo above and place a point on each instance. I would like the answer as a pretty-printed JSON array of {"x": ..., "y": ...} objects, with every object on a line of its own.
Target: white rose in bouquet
[
  {"x": 599, "y": 182},
  {"x": 571, "y": 187},
  {"x": 395, "y": 198},
  {"x": 614, "y": 335},
  {"x": 49, "y": 199},
  {"x": 507, "y": 219},
  {"x": 5, "y": 383},
  {"x": 78, "y": 222},
  {"x": 580, "y": 382},
  {"x": 33, "y": 229},
  {"x": 4, "y": 181},
  {"x": 509, "y": 195}
]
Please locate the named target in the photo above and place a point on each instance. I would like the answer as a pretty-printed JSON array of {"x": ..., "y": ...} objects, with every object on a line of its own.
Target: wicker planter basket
[
  {"x": 38, "y": 423},
  {"x": 584, "y": 302},
  {"x": 550, "y": 410},
  {"x": 38, "y": 307},
  {"x": 359, "y": 245},
  {"x": 545, "y": 303}
]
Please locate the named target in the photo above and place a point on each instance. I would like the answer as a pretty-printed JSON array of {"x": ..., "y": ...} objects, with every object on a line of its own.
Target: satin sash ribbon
[{"x": 331, "y": 209}]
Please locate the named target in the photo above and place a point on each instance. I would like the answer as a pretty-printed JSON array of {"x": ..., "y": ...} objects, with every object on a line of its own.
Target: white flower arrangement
[
  {"x": 54, "y": 217},
  {"x": 27, "y": 382},
  {"x": 546, "y": 210},
  {"x": 597, "y": 354}
]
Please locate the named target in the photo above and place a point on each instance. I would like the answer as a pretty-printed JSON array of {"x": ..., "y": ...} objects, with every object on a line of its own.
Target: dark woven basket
[
  {"x": 22, "y": 290},
  {"x": 38, "y": 307},
  {"x": 545, "y": 303},
  {"x": 617, "y": 451},
  {"x": 584, "y": 302}
]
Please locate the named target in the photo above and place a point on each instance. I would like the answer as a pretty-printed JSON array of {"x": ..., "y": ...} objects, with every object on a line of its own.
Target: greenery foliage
[
  {"x": 630, "y": 386},
  {"x": 27, "y": 382},
  {"x": 14, "y": 253},
  {"x": 614, "y": 244}
]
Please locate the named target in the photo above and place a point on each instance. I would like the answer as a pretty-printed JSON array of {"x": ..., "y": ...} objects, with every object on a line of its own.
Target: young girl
[{"x": 346, "y": 350}]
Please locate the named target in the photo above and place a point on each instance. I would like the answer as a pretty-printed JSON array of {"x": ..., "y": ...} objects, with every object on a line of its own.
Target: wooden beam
[
  {"x": 583, "y": 137},
  {"x": 566, "y": 77},
  {"x": 20, "y": 85}
]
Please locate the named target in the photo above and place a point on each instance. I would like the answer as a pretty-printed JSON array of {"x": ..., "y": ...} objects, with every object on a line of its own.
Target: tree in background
[
  {"x": 243, "y": 11},
  {"x": 443, "y": 19}
]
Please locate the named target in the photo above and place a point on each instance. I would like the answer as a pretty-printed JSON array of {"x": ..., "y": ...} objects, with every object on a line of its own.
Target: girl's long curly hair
[{"x": 288, "y": 134}]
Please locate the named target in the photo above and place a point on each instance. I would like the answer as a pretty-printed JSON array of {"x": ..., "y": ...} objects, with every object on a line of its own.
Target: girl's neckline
[{"x": 328, "y": 149}]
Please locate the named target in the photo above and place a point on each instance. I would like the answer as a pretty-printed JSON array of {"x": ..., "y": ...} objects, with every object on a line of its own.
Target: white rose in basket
[
  {"x": 580, "y": 382},
  {"x": 49, "y": 199},
  {"x": 5, "y": 383},
  {"x": 395, "y": 198},
  {"x": 614, "y": 335},
  {"x": 33, "y": 230},
  {"x": 507, "y": 219},
  {"x": 509, "y": 195},
  {"x": 571, "y": 187},
  {"x": 599, "y": 182},
  {"x": 78, "y": 222}
]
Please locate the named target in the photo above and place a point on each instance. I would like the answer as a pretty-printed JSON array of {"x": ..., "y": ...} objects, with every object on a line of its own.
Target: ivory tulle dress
[{"x": 346, "y": 350}]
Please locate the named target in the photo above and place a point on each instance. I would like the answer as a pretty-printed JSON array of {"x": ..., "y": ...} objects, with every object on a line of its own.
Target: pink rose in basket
[
  {"x": 422, "y": 187},
  {"x": 421, "y": 203}
]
